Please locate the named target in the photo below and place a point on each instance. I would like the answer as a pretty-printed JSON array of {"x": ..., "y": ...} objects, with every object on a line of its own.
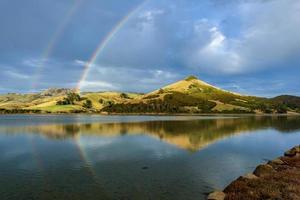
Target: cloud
[
  {"x": 163, "y": 42},
  {"x": 16, "y": 75},
  {"x": 97, "y": 86},
  {"x": 262, "y": 38},
  {"x": 126, "y": 78},
  {"x": 215, "y": 55},
  {"x": 268, "y": 40},
  {"x": 34, "y": 62}
]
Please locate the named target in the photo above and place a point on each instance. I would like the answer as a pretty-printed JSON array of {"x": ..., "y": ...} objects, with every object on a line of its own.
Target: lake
[{"x": 134, "y": 157}]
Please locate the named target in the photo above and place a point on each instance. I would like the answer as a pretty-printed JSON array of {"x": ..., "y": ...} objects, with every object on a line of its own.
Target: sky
[{"x": 246, "y": 46}]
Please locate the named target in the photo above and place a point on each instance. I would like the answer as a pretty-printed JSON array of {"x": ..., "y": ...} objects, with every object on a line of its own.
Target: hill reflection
[{"x": 191, "y": 135}]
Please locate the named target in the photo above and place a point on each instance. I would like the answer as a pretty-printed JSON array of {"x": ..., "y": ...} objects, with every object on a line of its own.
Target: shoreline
[
  {"x": 276, "y": 179},
  {"x": 158, "y": 114},
  {"x": 153, "y": 114}
]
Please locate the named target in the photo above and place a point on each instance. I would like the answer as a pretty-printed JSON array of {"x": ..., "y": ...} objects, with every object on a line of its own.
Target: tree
[
  {"x": 88, "y": 104},
  {"x": 281, "y": 109},
  {"x": 72, "y": 97},
  {"x": 108, "y": 103},
  {"x": 69, "y": 99},
  {"x": 60, "y": 102},
  {"x": 124, "y": 96}
]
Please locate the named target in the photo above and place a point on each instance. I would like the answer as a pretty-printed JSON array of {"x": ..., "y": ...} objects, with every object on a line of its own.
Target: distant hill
[
  {"x": 47, "y": 101},
  {"x": 291, "y": 101},
  {"x": 56, "y": 91},
  {"x": 190, "y": 95}
]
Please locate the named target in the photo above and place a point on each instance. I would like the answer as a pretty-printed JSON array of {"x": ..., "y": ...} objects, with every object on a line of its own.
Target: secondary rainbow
[
  {"x": 105, "y": 42},
  {"x": 59, "y": 31}
]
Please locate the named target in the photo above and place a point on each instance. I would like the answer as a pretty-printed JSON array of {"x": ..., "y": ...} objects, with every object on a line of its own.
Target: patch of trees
[
  {"x": 70, "y": 99},
  {"x": 172, "y": 103},
  {"x": 236, "y": 111},
  {"x": 206, "y": 106},
  {"x": 124, "y": 96},
  {"x": 106, "y": 102},
  {"x": 292, "y": 102},
  {"x": 109, "y": 103},
  {"x": 264, "y": 105},
  {"x": 281, "y": 108},
  {"x": 88, "y": 104},
  {"x": 101, "y": 101},
  {"x": 19, "y": 111}
]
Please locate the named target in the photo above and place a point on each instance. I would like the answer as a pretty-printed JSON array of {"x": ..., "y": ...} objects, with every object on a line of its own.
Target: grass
[
  {"x": 173, "y": 98},
  {"x": 59, "y": 108},
  {"x": 223, "y": 106}
]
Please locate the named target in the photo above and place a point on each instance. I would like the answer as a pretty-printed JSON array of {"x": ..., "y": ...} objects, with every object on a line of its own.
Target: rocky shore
[{"x": 277, "y": 179}]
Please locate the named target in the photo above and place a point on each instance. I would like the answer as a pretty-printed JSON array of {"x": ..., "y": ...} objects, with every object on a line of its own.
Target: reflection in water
[
  {"x": 135, "y": 160},
  {"x": 191, "y": 134}
]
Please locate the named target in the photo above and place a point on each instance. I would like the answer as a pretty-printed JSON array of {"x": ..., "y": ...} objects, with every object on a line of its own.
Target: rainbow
[
  {"x": 100, "y": 48},
  {"x": 58, "y": 33}
]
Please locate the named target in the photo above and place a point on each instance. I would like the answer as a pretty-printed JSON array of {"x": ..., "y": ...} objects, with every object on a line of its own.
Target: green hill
[
  {"x": 47, "y": 101},
  {"x": 190, "y": 95}
]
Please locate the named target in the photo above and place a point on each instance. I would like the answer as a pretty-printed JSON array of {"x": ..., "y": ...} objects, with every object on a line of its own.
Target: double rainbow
[{"x": 100, "y": 47}]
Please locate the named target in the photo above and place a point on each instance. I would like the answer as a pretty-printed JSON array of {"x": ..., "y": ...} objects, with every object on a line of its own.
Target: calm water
[{"x": 133, "y": 157}]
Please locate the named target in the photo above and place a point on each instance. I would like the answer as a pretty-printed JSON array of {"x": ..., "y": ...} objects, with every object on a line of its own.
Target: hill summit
[{"x": 190, "y": 83}]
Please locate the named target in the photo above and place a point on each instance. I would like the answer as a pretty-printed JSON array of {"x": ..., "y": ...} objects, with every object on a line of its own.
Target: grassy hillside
[
  {"x": 190, "y": 95},
  {"x": 47, "y": 101}
]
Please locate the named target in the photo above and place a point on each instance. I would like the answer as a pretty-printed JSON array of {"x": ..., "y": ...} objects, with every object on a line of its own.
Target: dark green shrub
[{"x": 88, "y": 104}]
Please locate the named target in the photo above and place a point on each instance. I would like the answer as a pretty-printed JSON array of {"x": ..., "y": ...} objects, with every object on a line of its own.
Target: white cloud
[
  {"x": 97, "y": 86},
  {"x": 125, "y": 78},
  {"x": 270, "y": 36},
  {"x": 150, "y": 15},
  {"x": 16, "y": 75},
  {"x": 267, "y": 34},
  {"x": 80, "y": 62},
  {"x": 33, "y": 62},
  {"x": 215, "y": 55},
  {"x": 83, "y": 63}
]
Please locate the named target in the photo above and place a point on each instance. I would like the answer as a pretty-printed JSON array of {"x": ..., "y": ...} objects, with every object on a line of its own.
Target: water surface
[{"x": 134, "y": 157}]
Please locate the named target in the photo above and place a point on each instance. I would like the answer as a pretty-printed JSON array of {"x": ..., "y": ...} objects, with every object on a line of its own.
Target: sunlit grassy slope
[
  {"x": 190, "y": 95},
  {"x": 48, "y": 103}
]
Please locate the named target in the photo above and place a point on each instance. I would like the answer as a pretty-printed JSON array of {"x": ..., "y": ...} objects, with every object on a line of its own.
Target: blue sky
[{"x": 251, "y": 47}]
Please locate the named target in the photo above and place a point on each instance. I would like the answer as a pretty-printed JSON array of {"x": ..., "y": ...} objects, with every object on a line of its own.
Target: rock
[
  {"x": 250, "y": 176},
  {"x": 263, "y": 170},
  {"x": 276, "y": 161},
  {"x": 217, "y": 195},
  {"x": 292, "y": 152},
  {"x": 297, "y": 149}
]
